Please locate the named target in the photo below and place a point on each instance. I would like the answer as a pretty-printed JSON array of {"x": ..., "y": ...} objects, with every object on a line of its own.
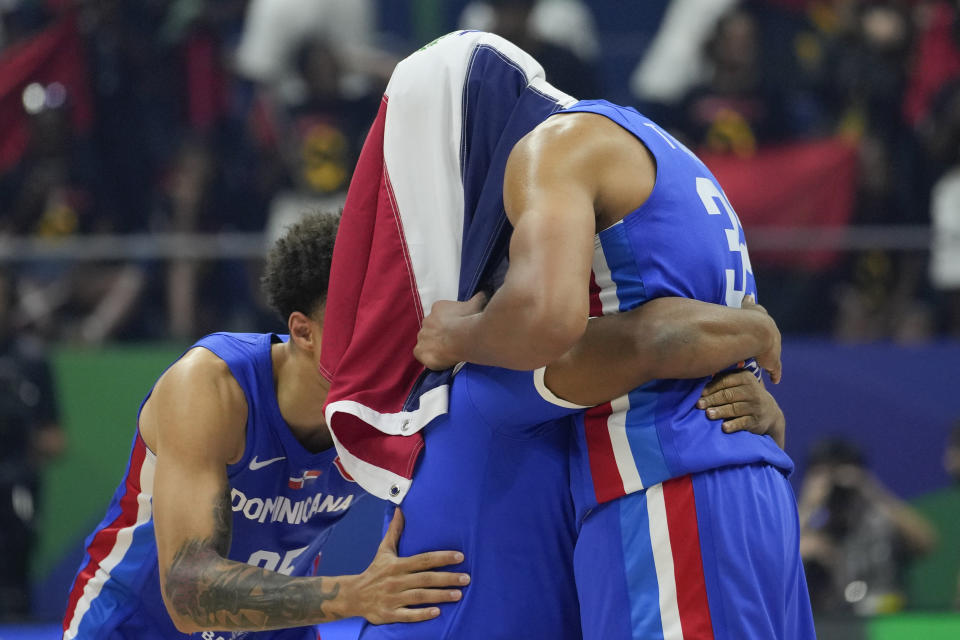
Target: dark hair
[
  {"x": 835, "y": 451},
  {"x": 298, "y": 266},
  {"x": 310, "y": 48}
]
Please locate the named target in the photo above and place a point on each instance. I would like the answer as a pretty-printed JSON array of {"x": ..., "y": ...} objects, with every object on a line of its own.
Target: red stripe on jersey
[
  {"x": 596, "y": 307},
  {"x": 105, "y": 539},
  {"x": 607, "y": 483},
  {"x": 687, "y": 560}
]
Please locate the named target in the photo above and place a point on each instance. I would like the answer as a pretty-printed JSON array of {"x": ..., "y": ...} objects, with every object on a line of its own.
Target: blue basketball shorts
[{"x": 709, "y": 556}]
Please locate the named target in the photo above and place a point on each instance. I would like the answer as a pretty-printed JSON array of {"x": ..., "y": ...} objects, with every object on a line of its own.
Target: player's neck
[{"x": 301, "y": 394}]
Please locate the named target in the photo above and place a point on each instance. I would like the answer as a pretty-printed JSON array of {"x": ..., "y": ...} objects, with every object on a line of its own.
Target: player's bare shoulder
[
  {"x": 554, "y": 164},
  {"x": 566, "y": 139},
  {"x": 197, "y": 393},
  {"x": 590, "y": 151}
]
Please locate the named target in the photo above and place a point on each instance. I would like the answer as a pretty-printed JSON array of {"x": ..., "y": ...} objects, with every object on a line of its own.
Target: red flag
[{"x": 809, "y": 184}]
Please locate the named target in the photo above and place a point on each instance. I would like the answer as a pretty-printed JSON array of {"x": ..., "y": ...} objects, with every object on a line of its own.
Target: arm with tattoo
[
  {"x": 200, "y": 410},
  {"x": 210, "y": 591}
]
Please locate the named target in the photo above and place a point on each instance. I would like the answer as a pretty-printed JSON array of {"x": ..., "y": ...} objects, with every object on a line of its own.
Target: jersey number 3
[{"x": 711, "y": 195}]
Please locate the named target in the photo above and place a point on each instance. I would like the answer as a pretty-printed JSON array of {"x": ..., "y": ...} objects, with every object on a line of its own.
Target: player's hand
[
  {"x": 738, "y": 398},
  {"x": 386, "y": 591},
  {"x": 769, "y": 360},
  {"x": 439, "y": 341}
]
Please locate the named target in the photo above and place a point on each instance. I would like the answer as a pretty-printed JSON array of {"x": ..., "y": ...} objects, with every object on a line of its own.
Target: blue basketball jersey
[
  {"x": 285, "y": 502},
  {"x": 684, "y": 241},
  {"x": 493, "y": 482}
]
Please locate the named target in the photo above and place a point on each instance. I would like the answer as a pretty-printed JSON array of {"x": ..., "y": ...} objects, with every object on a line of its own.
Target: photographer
[{"x": 857, "y": 538}]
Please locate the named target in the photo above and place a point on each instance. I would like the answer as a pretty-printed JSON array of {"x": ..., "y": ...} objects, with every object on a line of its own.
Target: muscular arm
[
  {"x": 206, "y": 591},
  {"x": 541, "y": 309},
  {"x": 197, "y": 413},
  {"x": 196, "y": 416},
  {"x": 664, "y": 338}
]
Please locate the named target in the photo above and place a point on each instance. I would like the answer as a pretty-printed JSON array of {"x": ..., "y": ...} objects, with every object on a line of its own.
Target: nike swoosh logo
[{"x": 254, "y": 465}]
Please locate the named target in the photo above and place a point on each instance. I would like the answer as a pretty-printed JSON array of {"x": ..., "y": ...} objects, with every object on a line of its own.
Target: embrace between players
[{"x": 590, "y": 479}]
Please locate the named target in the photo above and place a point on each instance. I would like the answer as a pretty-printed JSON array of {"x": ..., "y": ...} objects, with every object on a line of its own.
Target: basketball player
[
  {"x": 494, "y": 476},
  {"x": 233, "y": 486},
  {"x": 609, "y": 212}
]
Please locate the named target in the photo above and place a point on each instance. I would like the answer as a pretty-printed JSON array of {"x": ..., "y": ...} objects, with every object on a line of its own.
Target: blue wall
[{"x": 898, "y": 403}]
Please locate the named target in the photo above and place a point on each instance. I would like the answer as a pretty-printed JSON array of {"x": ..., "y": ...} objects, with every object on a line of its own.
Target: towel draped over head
[{"x": 423, "y": 222}]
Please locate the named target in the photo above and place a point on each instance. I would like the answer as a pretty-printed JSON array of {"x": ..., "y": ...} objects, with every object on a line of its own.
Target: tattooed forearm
[
  {"x": 230, "y": 595},
  {"x": 222, "y": 522},
  {"x": 213, "y": 592}
]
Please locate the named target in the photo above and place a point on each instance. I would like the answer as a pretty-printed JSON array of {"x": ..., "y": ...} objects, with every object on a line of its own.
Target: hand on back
[{"x": 392, "y": 588}]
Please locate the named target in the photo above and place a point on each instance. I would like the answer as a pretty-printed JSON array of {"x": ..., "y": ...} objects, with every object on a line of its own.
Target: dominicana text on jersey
[{"x": 285, "y": 502}]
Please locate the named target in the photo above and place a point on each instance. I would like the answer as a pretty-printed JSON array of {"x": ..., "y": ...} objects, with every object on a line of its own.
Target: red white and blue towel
[{"x": 423, "y": 221}]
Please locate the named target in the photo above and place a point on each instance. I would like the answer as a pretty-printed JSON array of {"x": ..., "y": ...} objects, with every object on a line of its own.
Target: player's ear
[{"x": 302, "y": 331}]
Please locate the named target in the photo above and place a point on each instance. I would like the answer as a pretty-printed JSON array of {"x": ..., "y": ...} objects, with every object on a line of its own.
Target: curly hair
[{"x": 298, "y": 266}]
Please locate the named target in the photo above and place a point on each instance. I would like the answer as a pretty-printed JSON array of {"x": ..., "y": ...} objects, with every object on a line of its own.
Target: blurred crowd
[
  {"x": 237, "y": 115},
  {"x": 205, "y": 116}
]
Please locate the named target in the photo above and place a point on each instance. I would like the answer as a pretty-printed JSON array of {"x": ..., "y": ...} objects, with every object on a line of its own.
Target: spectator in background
[
  {"x": 735, "y": 109},
  {"x": 30, "y": 436},
  {"x": 316, "y": 140},
  {"x": 564, "y": 23},
  {"x": 540, "y": 30},
  {"x": 300, "y": 158},
  {"x": 317, "y": 75},
  {"x": 857, "y": 538},
  {"x": 49, "y": 194},
  {"x": 137, "y": 96},
  {"x": 213, "y": 177},
  {"x": 868, "y": 63},
  {"x": 276, "y": 30},
  {"x": 674, "y": 62},
  {"x": 50, "y": 191},
  {"x": 202, "y": 296},
  {"x": 185, "y": 198}
]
